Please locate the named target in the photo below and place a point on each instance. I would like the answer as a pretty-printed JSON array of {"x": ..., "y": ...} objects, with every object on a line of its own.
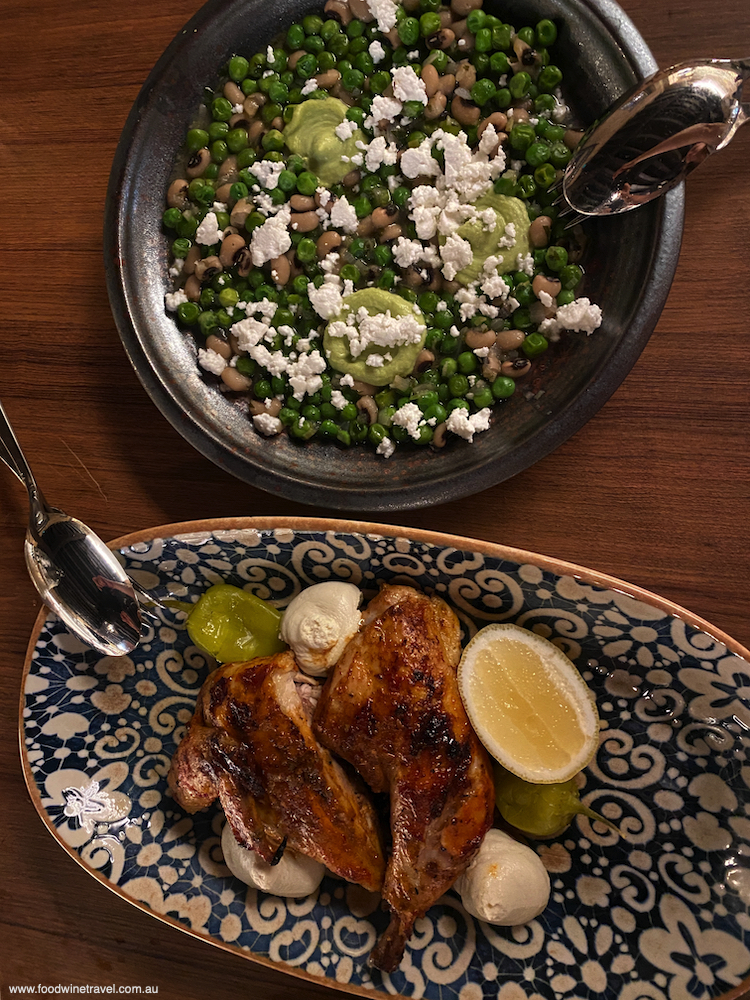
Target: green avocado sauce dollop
[
  {"x": 403, "y": 358},
  {"x": 312, "y": 133},
  {"x": 484, "y": 244}
]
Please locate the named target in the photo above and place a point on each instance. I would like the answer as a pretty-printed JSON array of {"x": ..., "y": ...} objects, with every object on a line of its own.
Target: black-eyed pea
[
  {"x": 328, "y": 79},
  {"x": 243, "y": 261},
  {"x": 572, "y": 137},
  {"x": 302, "y": 203},
  {"x": 509, "y": 340},
  {"x": 361, "y": 10},
  {"x": 192, "y": 258},
  {"x": 240, "y": 211},
  {"x": 280, "y": 270},
  {"x": 352, "y": 179},
  {"x": 368, "y": 405},
  {"x": 462, "y": 8},
  {"x": 541, "y": 283},
  {"x": 230, "y": 247},
  {"x": 412, "y": 277},
  {"x": 253, "y": 103},
  {"x": 446, "y": 18},
  {"x": 391, "y": 232},
  {"x": 497, "y": 119},
  {"x": 464, "y": 112},
  {"x": 198, "y": 162},
  {"x": 442, "y": 39},
  {"x": 447, "y": 84},
  {"x": 270, "y": 406},
  {"x": 424, "y": 360},
  {"x": 466, "y": 75},
  {"x": 235, "y": 381},
  {"x": 435, "y": 106},
  {"x": 233, "y": 93},
  {"x": 304, "y": 222},
  {"x": 430, "y": 79},
  {"x": 539, "y": 232},
  {"x": 228, "y": 171},
  {"x": 214, "y": 343},
  {"x": 364, "y": 388},
  {"x": 177, "y": 193},
  {"x": 384, "y": 216},
  {"x": 393, "y": 37},
  {"x": 240, "y": 120},
  {"x": 278, "y": 123},
  {"x": 516, "y": 369},
  {"x": 328, "y": 242},
  {"x": 294, "y": 58},
  {"x": 477, "y": 338},
  {"x": 192, "y": 288},
  {"x": 519, "y": 115},
  {"x": 366, "y": 227},
  {"x": 208, "y": 268},
  {"x": 223, "y": 193},
  {"x": 440, "y": 436},
  {"x": 339, "y": 11}
]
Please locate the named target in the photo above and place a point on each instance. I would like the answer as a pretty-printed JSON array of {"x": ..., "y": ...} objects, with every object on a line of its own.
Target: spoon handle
[{"x": 14, "y": 458}]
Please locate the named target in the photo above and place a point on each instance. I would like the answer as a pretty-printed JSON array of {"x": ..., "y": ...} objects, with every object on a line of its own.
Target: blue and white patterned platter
[{"x": 661, "y": 915}]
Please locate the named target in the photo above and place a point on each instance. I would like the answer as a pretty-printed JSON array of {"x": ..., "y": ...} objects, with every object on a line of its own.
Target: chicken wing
[
  {"x": 391, "y": 707},
  {"x": 250, "y": 744}
]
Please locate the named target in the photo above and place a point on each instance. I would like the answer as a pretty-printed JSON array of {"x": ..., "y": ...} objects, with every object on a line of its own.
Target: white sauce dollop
[
  {"x": 506, "y": 883},
  {"x": 319, "y": 623},
  {"x": 294, "y": 876}
]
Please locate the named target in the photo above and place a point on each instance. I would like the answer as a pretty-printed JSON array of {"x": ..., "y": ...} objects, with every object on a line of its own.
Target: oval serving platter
[{"x": 661, "y": 912}]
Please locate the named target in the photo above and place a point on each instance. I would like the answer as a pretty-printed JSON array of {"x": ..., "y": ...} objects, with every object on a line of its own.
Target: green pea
[
  {"x": 186, "y": 227},
  {"x": 355, "y": 29},
  {"x": 295, "y": 36},
  {"x": 377, "y": 433},
  {"x": 207, "y": 323},
  {"x": 314, "y": 44},
  {"x": 545, "y": 175},
  {"x": 476, "y": 20},
  {"x": 400, "y": 196},
  {"x": 362, "y": 206},
  {"x": 526, "y": 186},
  {"x": 307, "y": 66},
  {"x": 312, "y": 23},
  {"x": 387, "y": 279},
  {"x": 483, "y": 40},
  {"x": 521, "y": 136},
  {"x": 556, "y": 258},
  {"x": 171, "y": 217},
  {"x": 339, "y": 45},
  {"x": 483, "y": 397},
  {"x": 501, "y": 38},
  {"x": 349, "y": 272},
  {"x": 503, "y": 387},
  {"x": 549, "y": 78},
  {"x": 196, "y": 139},
  {"x": 352, "y": 79},
  {"x": 456, "y": 404},
  {"x": 519, "y": 84},
  {"x": 458, "y": 385},
  {"x": 429, "y": 24},
  {"x": 483, "y": 91},
  {"x": 559, "y": 155},
  {"x": 329, "y": 29},
  {"x": 570, "y": 275},
  {"x": 467, "y": 363},
  {"x": 523, "y": 293},
  {"x": 188, "y": 313},
  {"x": 546, "y": 32},
  {"x": 499, "y": 63},
  {"x": 408, "y": 30},
  {"x": 537, "y": 153},
  {"x": 481, "y": 62},
  {"x": 229, "y": 297},
  {"x": 534, "y": 345},
  {"x": 221, "y": 109},
  {"x": 505, "y": 185},
  {"x": 306, "y": 250},
  {"x": 307, "y": 183},
  {"x": 439, "y": 60}
]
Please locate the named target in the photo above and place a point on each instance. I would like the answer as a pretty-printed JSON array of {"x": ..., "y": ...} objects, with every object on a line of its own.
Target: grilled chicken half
[
  {"x": 250, "y": 744},
  {"x": 391, "y": 707}
]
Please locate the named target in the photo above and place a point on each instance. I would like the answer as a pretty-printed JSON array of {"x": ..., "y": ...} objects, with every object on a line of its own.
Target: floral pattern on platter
[{"x": 662, "y": 912}]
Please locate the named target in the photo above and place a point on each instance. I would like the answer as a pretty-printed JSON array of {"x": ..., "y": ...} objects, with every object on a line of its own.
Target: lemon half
[{"x": 528, "y": 704}]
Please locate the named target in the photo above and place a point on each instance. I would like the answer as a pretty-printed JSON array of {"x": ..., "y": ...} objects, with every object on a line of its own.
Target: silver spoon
[
  {"x": 654, "y": 136},
  {"x": 77, "y": 576}
]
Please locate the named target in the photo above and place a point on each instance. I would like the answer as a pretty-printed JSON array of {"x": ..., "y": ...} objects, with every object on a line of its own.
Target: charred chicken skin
[
  {"x": 250, "y": 744},
  {"x": 391, "y": 707}
]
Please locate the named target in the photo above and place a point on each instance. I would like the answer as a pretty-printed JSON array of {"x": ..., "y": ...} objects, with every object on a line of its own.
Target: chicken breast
[
  {"x": 250, "y": 744},
  {"x": 391, "y": 707}
]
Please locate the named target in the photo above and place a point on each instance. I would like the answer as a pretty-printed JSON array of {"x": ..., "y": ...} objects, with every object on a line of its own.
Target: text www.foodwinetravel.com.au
[{"x": 41, "y": 990}]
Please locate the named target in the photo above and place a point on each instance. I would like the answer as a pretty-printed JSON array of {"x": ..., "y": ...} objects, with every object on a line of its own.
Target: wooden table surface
[{"x": 654, "y": 490}]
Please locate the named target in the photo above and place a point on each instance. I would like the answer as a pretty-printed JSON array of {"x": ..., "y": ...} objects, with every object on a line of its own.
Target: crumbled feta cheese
[
  {"x": 545, "y": 298},
  {"x": 386, "y": 448},
  {"x": 272, "y": 238},
  {"x": 380, "y": 152},
  {"x": 345, "y": 130},
  {"x": 466, "y": 424},
  {"x": 174, "y": 299},
  {"x": 270, "y": 55},
  {"x": 581, "y": 315},
  {"x": 267, "y": 173},
  {"x": 377, "y": 52},
  {"x": 176, "y": 269},
  {"x": 383, "y": 109},
  {"x": 250, "y": 332},
  {"x": 408, "y": 416},
  {"x": 379, "y": 330},
  {"x": 324, "y": 196},
  {"x": 347, "y": 380},
  {"x": 343, "y": 215},
  {"x": 407, "y": 252},
  {"x": 304, "y": 373},
  {"x": 525, "y": 263},
  {"x": 338, "y": 399},
  {"x": 267, "y": 424},
  {"x": 457, "y": 254},
  {"x": 208, "y": 231},
  {"x": 419, "y": 161},
  {"x": 212, "y": 361},
  {"x": 384, "y": 12},
  {"x": 407, "y": 86},
  {"x": 309, "y": 86},
  {"x": 326, "y": 300}
]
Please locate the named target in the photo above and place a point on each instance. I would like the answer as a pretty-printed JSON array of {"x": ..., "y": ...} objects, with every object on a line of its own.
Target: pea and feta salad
[{"x": 364, "y": 241}]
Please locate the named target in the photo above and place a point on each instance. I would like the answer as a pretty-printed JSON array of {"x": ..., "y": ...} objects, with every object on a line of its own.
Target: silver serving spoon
[
  {"x": 77, "y": 576},
  {"x": 654, "y": 136}
]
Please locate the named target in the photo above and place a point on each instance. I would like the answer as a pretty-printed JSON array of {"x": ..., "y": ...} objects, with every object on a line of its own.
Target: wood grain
[{"x": 654, "y": 490}]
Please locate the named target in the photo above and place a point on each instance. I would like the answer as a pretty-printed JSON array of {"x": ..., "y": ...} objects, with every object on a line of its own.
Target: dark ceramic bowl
[{"x": 629, "y": 261}]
